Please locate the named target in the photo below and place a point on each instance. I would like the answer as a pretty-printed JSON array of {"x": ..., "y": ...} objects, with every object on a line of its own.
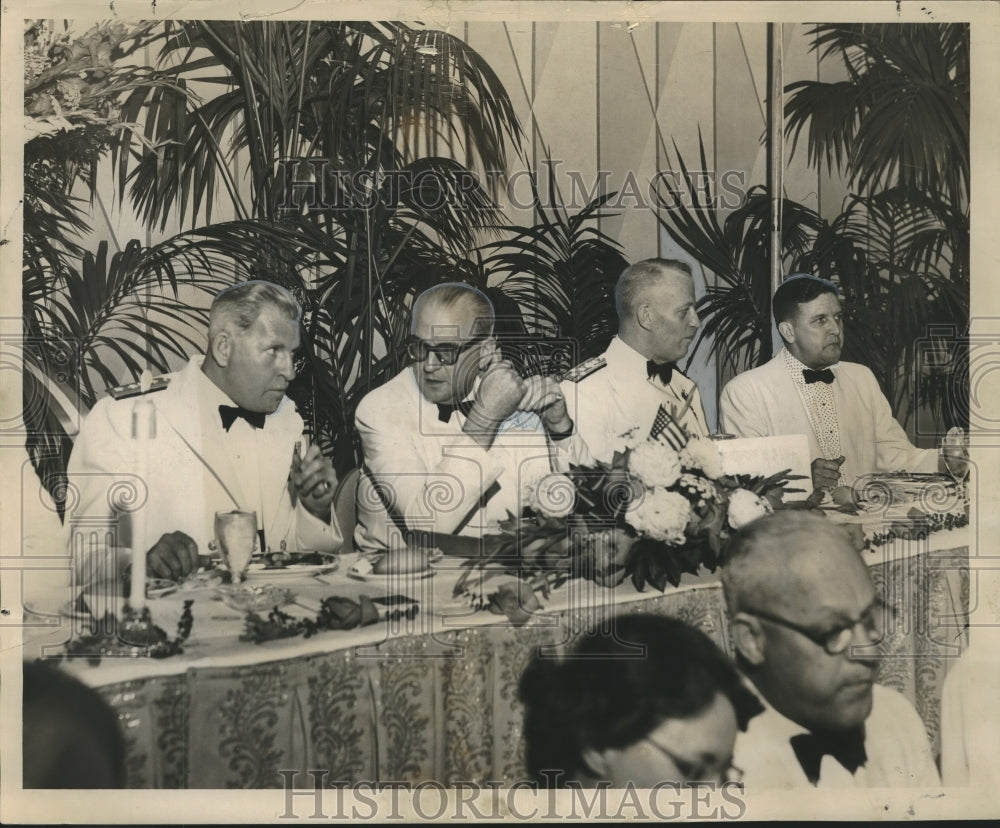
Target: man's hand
[
  {"x": 173, "y": 557},
  {"x": 544, "y": 396},
  {"x": 313, "y": 482},
  {"x": 499, "y": 394},
  {"x": 826, "y": 473}
]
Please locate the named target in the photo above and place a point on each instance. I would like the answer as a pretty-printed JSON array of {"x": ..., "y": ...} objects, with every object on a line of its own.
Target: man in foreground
[
  {"x": 806, "y": 389},
  {"x": 615, "y": 398},
  {"x": 806, "y": 624},
  {"x": 225, "y": 438},
  {"x": 455, "y": 442}
]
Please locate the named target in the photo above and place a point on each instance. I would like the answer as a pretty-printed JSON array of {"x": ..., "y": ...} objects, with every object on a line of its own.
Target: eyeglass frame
[
  {"x": 460, "y": 348},
  {"x": 823, "y": 639},
  {"x": 693, "y": 771}
]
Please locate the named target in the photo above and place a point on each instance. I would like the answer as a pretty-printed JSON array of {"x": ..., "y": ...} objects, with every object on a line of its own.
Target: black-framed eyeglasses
[
  {"x": 447, "y": 353},
  {"x": 700, "y": 771},
  {"x": 835, "y": 641}
]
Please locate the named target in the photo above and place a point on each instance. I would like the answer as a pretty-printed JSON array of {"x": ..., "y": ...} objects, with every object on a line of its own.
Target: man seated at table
[
  {"x": 806, "y": 389},
  {"x": 615, "y": 398},
  {"x": 455, "y": 441},
  {"x": 225, "y": 435},
  {"x": 806, "y": 623}
]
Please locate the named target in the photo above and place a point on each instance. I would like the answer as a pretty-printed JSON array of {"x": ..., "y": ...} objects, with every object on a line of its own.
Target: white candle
[{"x": 143, "y": 430}]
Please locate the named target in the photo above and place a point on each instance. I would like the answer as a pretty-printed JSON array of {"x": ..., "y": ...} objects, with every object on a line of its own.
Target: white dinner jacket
[
  {"x": 438, "y": 479},
  {"x": 614, "y": 404},
  {"x": 764, "y": 402},
  {"x": 191, "y": 475}
]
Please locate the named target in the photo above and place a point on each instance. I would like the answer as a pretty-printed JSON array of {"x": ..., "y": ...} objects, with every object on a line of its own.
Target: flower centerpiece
[{"x": 661, "y": 508}]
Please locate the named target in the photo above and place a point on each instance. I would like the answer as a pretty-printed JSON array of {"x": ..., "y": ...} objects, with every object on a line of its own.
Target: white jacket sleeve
[{"x": 894, "y": 450}]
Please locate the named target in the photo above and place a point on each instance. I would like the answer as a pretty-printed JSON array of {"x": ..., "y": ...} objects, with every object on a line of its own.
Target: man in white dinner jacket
[
  {"x": 454, "y": 443},
  {"x": 807, "y": 624},
  {"x": 614, "y": 398},
  {"x": 225, "y": 435},
  {"x": 806, "y": 389}
]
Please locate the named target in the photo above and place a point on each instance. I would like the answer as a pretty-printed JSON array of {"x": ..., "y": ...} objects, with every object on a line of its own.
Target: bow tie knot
[
  {"x": 847, "y": 747},
  {"x": 229, "y": 414},
  {"x": 445, "y": 410},
  {"x": 810, "y": 376},
  {"x": 663, "y": 370}
]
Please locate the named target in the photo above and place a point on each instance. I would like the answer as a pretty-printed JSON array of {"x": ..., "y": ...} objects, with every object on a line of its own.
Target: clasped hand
[
  {"x": 502, "y": 392},
  {"x": 826, "y": 473},
  {"x": 313, "y": 482}
]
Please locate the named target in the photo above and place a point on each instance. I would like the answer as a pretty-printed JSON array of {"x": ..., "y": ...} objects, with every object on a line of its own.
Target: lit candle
[{"x": 143, "y": 430}]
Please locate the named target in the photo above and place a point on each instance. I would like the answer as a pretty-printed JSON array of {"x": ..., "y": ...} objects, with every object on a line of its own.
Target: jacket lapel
[
  {"x": 282, "y": 429},
  {"x": 793, "y": 419},
  {"x": 182, "y": 410}
]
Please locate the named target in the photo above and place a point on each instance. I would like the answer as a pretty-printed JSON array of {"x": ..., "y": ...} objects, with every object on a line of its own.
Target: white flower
[
  {"x": 661, "y": 515},
  {"x": 705, "y": 489},
  {"x": 655, "y": 463},
  {"x": 702, "y": 455},
  {"x": 553, "y": 496},
  {"x": 745, "y": 507}
]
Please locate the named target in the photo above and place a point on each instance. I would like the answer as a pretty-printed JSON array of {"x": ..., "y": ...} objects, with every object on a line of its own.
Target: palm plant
[
  {"x": 898, "y": 128},
  {"x": 81, "y": 312},
  {"x": 736, "y": 310},
  {"x": 123, "y": 311},
  {"x": 359, "y": 138},
  {"x": 902, "y": 116},
  {"x": 72, "y": 84},
  {"x": 904, "y": 292},
  {"x": 390, "y": 119},
  {"x": 562, "y": 274}
]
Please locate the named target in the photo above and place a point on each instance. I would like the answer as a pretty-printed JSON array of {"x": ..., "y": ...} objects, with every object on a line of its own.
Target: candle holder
[{"x": 133, "y": 634}]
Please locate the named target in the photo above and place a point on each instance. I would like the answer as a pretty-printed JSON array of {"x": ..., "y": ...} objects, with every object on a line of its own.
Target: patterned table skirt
[{"x": 444, "y": 707}]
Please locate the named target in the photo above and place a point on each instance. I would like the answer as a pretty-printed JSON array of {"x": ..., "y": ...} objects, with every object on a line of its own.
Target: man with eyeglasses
[
  {"x": 225, "y": 439},
  {"x": 807, "y": 624},
  {"x": 807, "y": 389},
  {"x": 617, "y": 397},
  {"x": 453, "y": 443}
]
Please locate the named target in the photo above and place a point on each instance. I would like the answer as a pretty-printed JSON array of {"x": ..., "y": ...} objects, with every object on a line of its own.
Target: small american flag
[{"x": 666, "y": 428}]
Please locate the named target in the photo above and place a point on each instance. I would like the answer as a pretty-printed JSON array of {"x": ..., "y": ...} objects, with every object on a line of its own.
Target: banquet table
[{"x": 434, "y": 697}]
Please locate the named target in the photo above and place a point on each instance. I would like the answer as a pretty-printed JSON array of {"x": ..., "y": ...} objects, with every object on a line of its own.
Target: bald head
[
  {"x": 795, "y": 587},
  {"x": 451, "y": 299},
  {"x": 655, "y": 303},
  {"x": 785, "y": 556}
]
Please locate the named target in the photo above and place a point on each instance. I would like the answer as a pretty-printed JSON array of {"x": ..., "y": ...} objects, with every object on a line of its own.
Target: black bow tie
[
  {"x": 663, "y": 370},
  {"x": 445, "y": 410},
  {"x": 810, "y": 376},
  {"x": 847, "y": 747},
  {"x": 231, "y": 413}
]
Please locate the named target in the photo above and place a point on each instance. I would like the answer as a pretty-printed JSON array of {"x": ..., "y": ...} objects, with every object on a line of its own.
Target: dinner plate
[
  {"x": 260, "y": 570},
  {"x": 362, "y": 570},
  {"x": 254, "y": 599}
]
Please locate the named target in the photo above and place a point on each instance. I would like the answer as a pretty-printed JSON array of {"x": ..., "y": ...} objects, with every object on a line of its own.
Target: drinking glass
[{"x": 236, "y": 537}]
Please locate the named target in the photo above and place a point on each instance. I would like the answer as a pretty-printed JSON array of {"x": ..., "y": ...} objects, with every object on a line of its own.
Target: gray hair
[
  {"x": 239, "y": 306},
  {"x": 630, "y": 284},
  {"x": 449, "y": 294},
  {"x": 761, "y": 551}
]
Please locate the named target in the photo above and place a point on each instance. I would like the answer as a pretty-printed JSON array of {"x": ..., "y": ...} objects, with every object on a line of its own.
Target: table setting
[{"x": 403, "y": 664}]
